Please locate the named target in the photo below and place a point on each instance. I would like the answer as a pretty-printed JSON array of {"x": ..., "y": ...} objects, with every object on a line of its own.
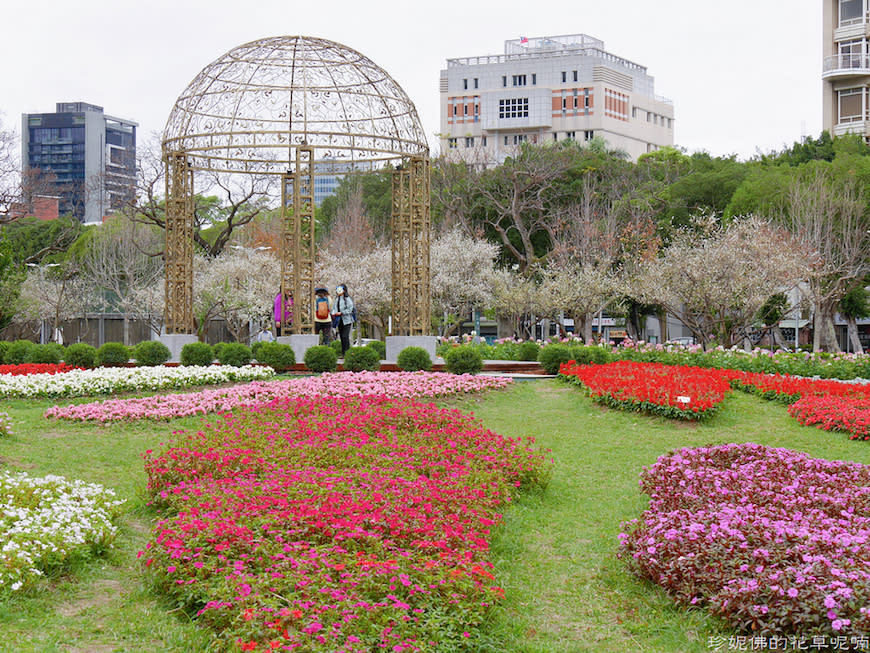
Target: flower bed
[
  {"x": 848, "y": 414},
  {"x": 24, "y": 369},
  {"x": 324, "y": 524},
  {"x": 341, "y": 384},
  {"x": 45, "y": 522},
  {"x": 672, "y": 391},
  {"x": 110, "y": 380},
  {"x": 771, "y": 540},
  {"x": 788, "y": 389}
]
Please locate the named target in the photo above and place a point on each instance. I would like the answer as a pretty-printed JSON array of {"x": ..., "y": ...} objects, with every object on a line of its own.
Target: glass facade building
[{"x": 89, "y": 157}]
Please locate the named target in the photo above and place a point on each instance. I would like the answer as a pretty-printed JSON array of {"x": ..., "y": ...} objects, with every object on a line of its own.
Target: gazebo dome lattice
[
  {"x": 297, "y": 106},
  {"x": 248, "y": 109}
]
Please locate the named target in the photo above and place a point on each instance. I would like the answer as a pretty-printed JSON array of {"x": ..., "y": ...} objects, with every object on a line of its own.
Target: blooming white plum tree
[
  {"x": 715, "y": 278},
  {"x": 239, "y": 285},
  {"x": 462, "y": 276}
]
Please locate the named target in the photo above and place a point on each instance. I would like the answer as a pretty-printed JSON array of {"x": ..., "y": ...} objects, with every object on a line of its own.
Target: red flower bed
[
  {"x": 335, "y": 524},
  {"x": 850, "y": 414},
  {"x": 789, "y": 389},
  {"x": 669, "y": 390},
  {"x": 24, "y": 369}
]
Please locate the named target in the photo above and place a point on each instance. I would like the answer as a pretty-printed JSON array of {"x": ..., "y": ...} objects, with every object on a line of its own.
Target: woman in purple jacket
[{"x": 284, "y": 317}]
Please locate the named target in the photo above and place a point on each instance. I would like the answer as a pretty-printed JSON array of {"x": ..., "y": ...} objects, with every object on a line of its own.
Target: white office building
[{"x": 550, "y": 88}]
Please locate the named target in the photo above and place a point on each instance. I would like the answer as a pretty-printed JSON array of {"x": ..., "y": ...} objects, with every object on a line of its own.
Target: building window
[
  {"x": 588, "y": 134},
  {"x": 505, "y": 140},
  {"x": 464, "y": 109},
  {"x": 455, "y": 110},
  {"x": 451, "y": 143},
  {"x": 520, "y": 138},
  {"x": 519, "y": 80},
  {"x": 851, "y": 104},
  {"x": 475, "y": 82},
  {"x": 469, "y": 141},
  {"x": 465, "y": 84},
  {"x": 484, "y": 141},
  {"x": 575, "y": 75},
  {"x": 534, "y": 79},
  {"x": 504, "y": 80},
  {"x": 513, "y": 108},
  {"x": 564, "y": 76},
  {"x": 851, "y": 11},
  {"x": 852, "y": 54},
  {"x": 571, "y": 135}
]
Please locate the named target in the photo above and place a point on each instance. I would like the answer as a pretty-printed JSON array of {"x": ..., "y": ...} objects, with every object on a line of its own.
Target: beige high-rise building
[
  {"x": 846, "y": 67},
  {"x": 550, "y": 88}
]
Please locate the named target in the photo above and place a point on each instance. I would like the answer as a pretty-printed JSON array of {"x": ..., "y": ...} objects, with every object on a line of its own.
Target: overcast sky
[{"x": 744, "y": 75}]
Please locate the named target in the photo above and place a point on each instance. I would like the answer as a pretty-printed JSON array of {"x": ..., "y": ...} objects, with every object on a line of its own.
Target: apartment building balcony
[
  {"x": 842, "y": 66},
  {"x": 851, "y": 127}
]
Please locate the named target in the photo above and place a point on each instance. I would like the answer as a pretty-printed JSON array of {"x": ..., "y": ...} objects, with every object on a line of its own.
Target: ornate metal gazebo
[{"x": 293, "y": 106}]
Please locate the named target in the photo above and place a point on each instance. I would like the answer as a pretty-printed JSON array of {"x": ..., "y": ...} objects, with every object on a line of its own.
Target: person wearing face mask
[{"x": 343, "y": 316}]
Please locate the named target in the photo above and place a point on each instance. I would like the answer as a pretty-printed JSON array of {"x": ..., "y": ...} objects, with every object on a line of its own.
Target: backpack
[{"x": 321, "y": 308}]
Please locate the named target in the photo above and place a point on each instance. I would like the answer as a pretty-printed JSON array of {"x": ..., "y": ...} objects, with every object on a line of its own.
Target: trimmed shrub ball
[
  {"x": 197, "y": 353},
  {"x": 359, "y": 359},
  {"x": 234, "y": 353},
  {"x": 321, "y": 358},
  {"x": 150, "y": 353},
  {"x": 463, "y": 360},
  {"x": 278, "y": 356},
  {"x": 112, "y": 354},
  {"x": 80, "y": 354},
  {"x": 412, "y": 359}
]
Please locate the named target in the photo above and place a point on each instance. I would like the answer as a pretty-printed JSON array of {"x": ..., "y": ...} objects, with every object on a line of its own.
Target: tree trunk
[
  {"x": 776, "y": 336},
  {"x": 587, "y": 328},
  {"x": 126, "y": 330},
  {"x": 824, "y": 337},
  {"x": 662, "y": 317},
  {"x": 852, "y": 328}
]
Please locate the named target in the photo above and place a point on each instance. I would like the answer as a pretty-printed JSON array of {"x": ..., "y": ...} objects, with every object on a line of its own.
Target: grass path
[{"x": 554, "y": 556}]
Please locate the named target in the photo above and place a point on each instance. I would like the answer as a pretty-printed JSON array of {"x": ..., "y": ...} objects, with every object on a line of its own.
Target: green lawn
[{"x": 554, "y": 555}]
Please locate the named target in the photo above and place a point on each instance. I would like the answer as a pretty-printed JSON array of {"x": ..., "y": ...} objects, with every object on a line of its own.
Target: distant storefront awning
[{"x": 789, "y": 324}]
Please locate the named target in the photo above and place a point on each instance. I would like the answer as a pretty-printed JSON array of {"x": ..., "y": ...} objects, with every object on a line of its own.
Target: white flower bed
[
  {"x": 110, "y": 380},
  {"x": 46, "y": 521}
]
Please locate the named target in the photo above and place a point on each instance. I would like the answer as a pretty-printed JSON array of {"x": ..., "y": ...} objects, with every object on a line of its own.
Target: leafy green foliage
[
  {"x": 321, "y": 358},
  {"x": 379, "y": 346},
  {"x": 50, "y": 352},
  {"x": 113, "y": 354},
  {"x": 359, "y": 359},
  {"x": 151, "y": 352},
  {"x": 19, "y": 352},
  {"x": 412, "y": 359},
  {"x": 551, "y": 356},
  {"x": 234, "y": 353},
  {"x": 80, "y": 354},
  {"x": 197, "y": 353},
  {"x": 278, "y": 356},
  {"x": 464, "y": 359}
]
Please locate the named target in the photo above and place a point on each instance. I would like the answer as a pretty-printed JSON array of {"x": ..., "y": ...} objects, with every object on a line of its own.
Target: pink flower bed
[
  {"x": 771, "y": 540},
  {"x": 341, "y": 384},
  {"x": 327, "y": 524}
]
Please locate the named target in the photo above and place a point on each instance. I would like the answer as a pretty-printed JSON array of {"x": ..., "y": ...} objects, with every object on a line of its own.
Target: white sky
[{"x": 744, "y": 75}]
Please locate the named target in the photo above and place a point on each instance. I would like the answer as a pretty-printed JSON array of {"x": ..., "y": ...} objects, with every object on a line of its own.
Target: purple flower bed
[{"x": 771, "y": 540}]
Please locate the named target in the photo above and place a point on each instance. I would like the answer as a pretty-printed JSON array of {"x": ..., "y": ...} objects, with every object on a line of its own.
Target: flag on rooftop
[{"x": 523, "y": 39}]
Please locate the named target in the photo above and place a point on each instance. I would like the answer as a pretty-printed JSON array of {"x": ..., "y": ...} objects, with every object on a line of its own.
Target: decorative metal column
[
  {"x": 411, "y": 226},
  {"x": 297, "y": 242},
  {"x": 178, "y": 316}
]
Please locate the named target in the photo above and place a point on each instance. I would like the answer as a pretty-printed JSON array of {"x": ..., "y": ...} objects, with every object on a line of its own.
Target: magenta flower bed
[
  {"x": 341, "y": 384},
  {"x": 326, "y": 524},
  {"x": 772, "y": 540}
]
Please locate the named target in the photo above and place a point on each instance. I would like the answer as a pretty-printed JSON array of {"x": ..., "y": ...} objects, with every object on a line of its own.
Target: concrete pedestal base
[
  {"x": 175, "y": 341},
  {"x": 301, "y": 342},
  {"x": 396, "y": 344}
]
